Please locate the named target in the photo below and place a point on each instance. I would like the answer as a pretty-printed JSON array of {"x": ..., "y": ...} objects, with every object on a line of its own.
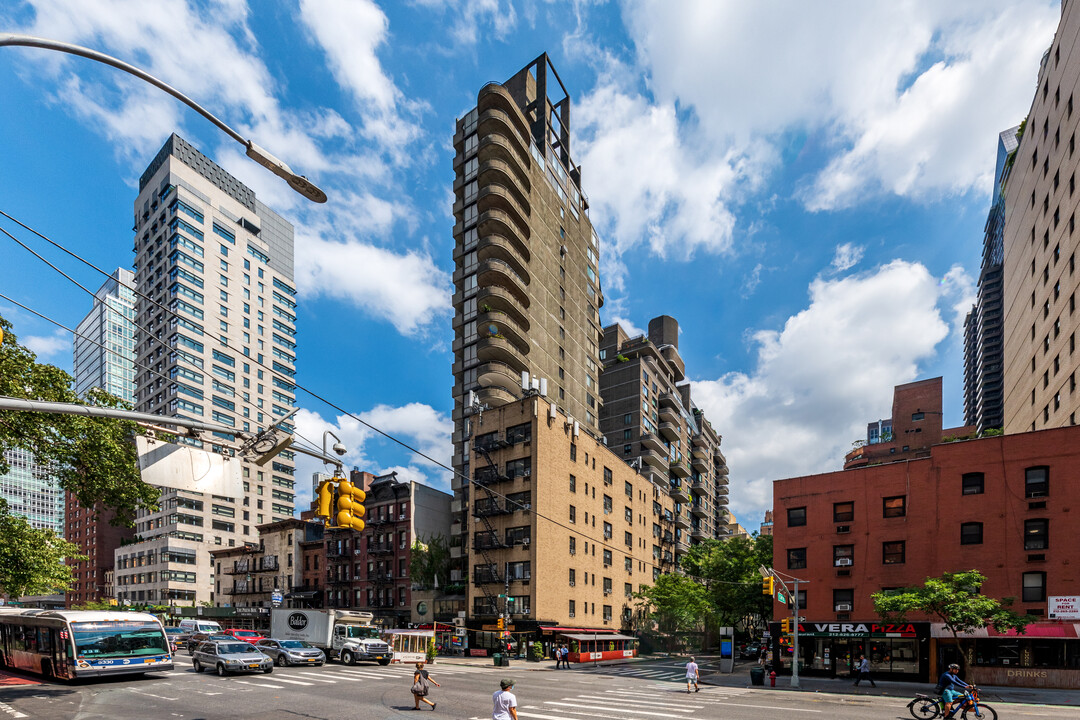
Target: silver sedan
[{"x": 291, "y": 652}]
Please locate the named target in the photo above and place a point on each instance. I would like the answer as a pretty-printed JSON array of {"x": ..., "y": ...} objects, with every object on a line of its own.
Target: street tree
[
  {"x": 729, "y": 570},
  {"x": 429, "y": 560},
  {"x": 93, "y": 458},
  {"x": 954, "y": 600},
  {"x": 675, "y": 604},
  {"x": 32, "y": 559}
]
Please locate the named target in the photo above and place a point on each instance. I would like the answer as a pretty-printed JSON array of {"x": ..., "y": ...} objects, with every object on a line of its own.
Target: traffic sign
[{"x": 276, "y": 599}]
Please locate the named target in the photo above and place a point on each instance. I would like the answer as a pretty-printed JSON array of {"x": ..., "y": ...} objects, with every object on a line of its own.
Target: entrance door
[{"x": 845, "y": 658}]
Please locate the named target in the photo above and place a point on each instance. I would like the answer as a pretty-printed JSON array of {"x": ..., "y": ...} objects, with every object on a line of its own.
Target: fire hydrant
[{"x": 772, "y": 679}]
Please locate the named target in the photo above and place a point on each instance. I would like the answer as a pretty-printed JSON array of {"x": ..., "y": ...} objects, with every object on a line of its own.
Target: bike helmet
[{"x": 954, "y": 666}]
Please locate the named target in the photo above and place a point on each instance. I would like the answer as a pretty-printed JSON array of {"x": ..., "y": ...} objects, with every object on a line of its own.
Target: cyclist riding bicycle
[{"x": 952, "y": 687}]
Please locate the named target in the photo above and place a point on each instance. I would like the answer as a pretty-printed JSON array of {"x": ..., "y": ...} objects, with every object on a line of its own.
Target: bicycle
[{"x": 927, "y": 707}]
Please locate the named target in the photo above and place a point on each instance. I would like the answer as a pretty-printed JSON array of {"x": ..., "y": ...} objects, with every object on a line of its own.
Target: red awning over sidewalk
[{"x": 1063, "y": 631}]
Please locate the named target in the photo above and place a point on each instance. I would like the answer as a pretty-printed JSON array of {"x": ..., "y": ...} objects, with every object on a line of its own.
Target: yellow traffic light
[
  {"x": 350, "y": 508},
  {"x": 785, "y": 625},
  {"x": 325, "y": 498},
  {"x": 767, "y": 585},
  {"x": 501, "y": 625}
]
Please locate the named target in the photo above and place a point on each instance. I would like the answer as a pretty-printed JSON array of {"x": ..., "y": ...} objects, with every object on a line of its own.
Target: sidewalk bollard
[{"x": 772, "y": 679}]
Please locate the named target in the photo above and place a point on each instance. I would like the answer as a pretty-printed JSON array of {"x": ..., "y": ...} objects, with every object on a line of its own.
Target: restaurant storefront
[
  {"x": 1046, "y": 655},
  {"x": 897, "y": 651}
]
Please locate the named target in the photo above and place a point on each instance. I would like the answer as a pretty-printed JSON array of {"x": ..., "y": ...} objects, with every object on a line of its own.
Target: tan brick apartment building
[
  {"x": 1041, "y": 243},
  {"x": 556, "y": 504}
]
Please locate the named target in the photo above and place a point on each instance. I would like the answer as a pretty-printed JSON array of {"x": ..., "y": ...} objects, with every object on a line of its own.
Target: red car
[{"x": 246, "y": 635}]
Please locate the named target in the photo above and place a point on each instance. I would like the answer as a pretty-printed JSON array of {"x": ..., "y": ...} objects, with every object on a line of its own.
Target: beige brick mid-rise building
[
  {"x": 559, "y": 523},
  {"x": 650, "y": 421},
  {"x": 1041, "y": 243}
]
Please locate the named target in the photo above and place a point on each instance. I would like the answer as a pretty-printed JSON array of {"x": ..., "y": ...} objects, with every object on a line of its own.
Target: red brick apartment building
[
  {"x": 90, "y": 530},
  {"x": 1001, "y": 505}
]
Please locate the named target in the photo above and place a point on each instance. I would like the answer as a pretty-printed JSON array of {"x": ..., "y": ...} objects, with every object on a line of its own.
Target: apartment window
[
  {"x": 573, "y": 514},
  {"x": 843, "y": 511},
  {"x": 1036, "y": 534},
  {"x": 628, "y": 539},
  {"x": 972, "y": 484},
  {"x": 796, "y": 558},
  {"x": 607, "y": 476},
  {"x": 573, "y": 452},
  {"x": 894, "y": 506},
  {"x": 573, "y": 577},
  {"x": 607, "y": 504},
  {"x": 971, "y": 533},
  {"x": 843, "y": 555},
  {"x": 843, "y": 600},
  {"x": 892, "y": 553},
  {"x": 628, "y": 419},
  {"x": 607, "y": 558},
  {"x": 1037, "y": 482},
  {"x": 573, "y": 546},
  {"x": 796, "y": 517},
  {"x": 571, "y": 608},
  {"x": 1034, "y": 587},
  {"x": 607, "y": 531},
  {"x": 573, "y": 484},
  {"x": 629, "y": 515}
]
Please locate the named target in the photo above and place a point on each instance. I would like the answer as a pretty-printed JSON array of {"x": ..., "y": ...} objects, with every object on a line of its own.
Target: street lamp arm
[{"x": 297, "y": 182}]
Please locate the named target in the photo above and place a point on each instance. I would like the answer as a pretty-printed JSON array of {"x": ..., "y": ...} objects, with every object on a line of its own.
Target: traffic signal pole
[
  {"x": 795, "y": 638},
  {"x": 770, "y": 578}
]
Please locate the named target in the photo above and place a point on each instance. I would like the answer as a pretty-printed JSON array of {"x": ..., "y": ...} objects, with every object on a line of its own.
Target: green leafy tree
[
  {"x": 32, "y": 559},
  {"x": 93, "y": 458},
  {"x": 729, "y": 570},
  {"x": 429, "y": 559},
  {"x": 675, "y": 603},
  {"x": 952, "y": 599}
]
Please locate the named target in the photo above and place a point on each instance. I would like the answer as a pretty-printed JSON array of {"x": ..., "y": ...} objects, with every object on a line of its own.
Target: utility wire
[{"x": 310, "y": 392}]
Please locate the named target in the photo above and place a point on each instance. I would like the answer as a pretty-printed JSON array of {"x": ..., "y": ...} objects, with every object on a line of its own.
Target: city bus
[{"x": 70, "y": 644}]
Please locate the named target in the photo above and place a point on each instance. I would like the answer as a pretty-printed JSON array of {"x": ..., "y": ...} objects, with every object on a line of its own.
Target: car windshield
[
  {"x": 173, "y": 631},
  {"x": 209, "y": 627},
  {"x": 359, "y": 631},
  {"x": 295, "y": 644},
  {"x": 236, "y": 648},
  {"x": 244, "y": 634}
]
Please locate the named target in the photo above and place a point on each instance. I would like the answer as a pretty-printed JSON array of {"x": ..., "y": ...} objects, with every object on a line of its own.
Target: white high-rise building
[
  {"x": 105, "y": 340},
  {"x": 31, "y": 490},
  {"x": 220, "y": 326}
]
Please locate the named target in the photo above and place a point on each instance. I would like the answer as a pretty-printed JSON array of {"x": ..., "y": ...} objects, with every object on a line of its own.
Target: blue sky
[{"x": 802, "y": 185}]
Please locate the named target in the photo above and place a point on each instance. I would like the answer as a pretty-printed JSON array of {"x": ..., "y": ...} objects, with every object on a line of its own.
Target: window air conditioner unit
[
  {"x": 571, "y": 614},
  {"x": 572, "y": 583},
  {"x": 843, "y": 607},
  {"x": 526, "y": 472},
  {"x": 606, "y": 593},
  {"x": 842, "y": 562},
  {"x": 459, "y": 622}
]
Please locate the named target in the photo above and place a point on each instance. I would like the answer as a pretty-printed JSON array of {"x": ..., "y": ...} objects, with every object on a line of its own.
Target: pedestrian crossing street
[
  {"x": 329, "y": 674},
  {"x": 641, "y": 703}
]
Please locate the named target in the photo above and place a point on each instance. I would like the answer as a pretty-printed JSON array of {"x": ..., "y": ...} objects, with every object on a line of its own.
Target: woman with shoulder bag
[{"x": 421, "y": 678}]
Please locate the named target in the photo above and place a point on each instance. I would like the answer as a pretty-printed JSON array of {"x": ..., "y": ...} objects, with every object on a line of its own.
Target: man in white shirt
[
  {"x": 504, "y": 703},
  {"x": 692, "y": 675}
]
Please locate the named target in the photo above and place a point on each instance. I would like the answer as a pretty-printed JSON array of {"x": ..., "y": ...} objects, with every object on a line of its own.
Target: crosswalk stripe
[
  {"x": 353, "y": 678},
  {"x": 637, "y": 701},
  {"x": 291, "y": 682},
  {"x": 360, "y": 673},
  {"x": 629, "y": 710},
  {"x": 317, "y": 679},
  {"x": 262, "y": 685}
]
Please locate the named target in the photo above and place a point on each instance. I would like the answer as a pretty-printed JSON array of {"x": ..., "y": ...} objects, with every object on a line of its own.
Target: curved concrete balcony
[
  {"x": 720, "y": 500},
  {"x": 699, "y": 451},
  {"x": 670, "y": 399},
  {"x": 504, "y": 326},
  {"x": 498, "y": 121},
  {"x": 496, "y": 273},
  {"x": 495, "y": 396},
  {"x": 675, "y": 360},
  {"x": 719, "y": 456},
  {"x": 655, "y": 460},
  {"x": 698, "y": 534},
  {"x": 497, "y": 222},
  {"x": 495, "y": 96},
  {"x": 499, "y": 248},
  {"x": 509, "y": 175},
  {"x": 669, "y": 414},
  {"x": 678, "y": 493},
  {"x": 492, "y": 349},
  {"x": 653, "y": 442},
  {"x": 498, "y": 197},
  {"x": 722, "y": 469},
  {"x": 499, "y": 374},
  {"x": 670, "y": 430},
  {"x": 699, "y": 486},
  {"x": 500, "y": 147},
  {"x": 722, "y": 489},
  {"x": 681, "y": 547},
  {"x": 699, "y": 464},
  {"x": 501, "y": 300},
  {"x": 680, "y": 469},
  {"x": 700, "y": 509},
  {"x": 700, "y": 443},
  {"x": 681, "y": 521}
]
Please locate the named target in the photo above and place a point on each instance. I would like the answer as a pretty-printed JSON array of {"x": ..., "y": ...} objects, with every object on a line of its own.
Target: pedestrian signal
[
  {"x": 767, "y": 585},
  {"x": 350, "y": 507}
]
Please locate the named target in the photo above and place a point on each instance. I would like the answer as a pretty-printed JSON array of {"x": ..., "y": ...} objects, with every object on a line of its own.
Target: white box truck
[{"x": 343, "y": 634}]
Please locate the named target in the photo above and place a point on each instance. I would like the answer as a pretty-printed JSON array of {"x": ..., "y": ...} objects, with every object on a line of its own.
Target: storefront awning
[
  {"x": 558, "y": 629},
  {"x": 410, "y": 631},
  {"x": 580, "y": 637},
  {"x": 303, "y": 594},
  {"x": 1034, "y": 630}
]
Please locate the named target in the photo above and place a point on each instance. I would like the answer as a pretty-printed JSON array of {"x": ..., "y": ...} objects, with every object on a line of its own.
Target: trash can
[
  {"x": 757, "y": 675},
  {"x": 504, "y": 661},
  {"x": 498, "y": 659}
]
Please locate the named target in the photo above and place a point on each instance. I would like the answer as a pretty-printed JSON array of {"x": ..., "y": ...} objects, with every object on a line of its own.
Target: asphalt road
[{"x": 642, "y": 691}]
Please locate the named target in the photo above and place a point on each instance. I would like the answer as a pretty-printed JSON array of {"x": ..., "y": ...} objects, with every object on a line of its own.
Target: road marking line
[
  {"x": 315, "y": 679},
  {"x": 12, "y": 711},
  {"x": 262, "y": 685},
  {"x": 351, "y": 678},
  {"x": 142, "y": 692},
  {"x": 293, "y": 682},
  {"x": 630, "y": 710},
  {"x": 636, "y": 700}
]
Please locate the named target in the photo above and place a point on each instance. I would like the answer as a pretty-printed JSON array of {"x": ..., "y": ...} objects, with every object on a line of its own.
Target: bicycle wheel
[
  {"x": 924, "y": 708},
  {"x": 985, "y": 712}
]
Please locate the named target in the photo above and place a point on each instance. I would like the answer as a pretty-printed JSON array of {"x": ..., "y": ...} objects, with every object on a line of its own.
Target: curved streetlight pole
[{"x": 299, "y": 183}]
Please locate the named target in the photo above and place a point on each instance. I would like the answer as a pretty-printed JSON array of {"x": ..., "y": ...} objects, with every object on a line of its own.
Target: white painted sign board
[
  {"x": 1063, "y": 607},
  {"x": 186, "y": 468}
]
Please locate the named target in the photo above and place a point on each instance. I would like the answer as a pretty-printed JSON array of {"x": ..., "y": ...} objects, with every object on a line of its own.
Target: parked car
[
  {"x": 199, "y": 638},
  {"x": 291, "y": 652},
  {"x": 752, "y": 651},
  {"x": 227, "y": 657},
  {"x": 249, "y": 636}
]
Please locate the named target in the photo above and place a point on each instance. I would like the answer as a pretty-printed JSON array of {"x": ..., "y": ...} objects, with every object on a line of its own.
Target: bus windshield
[
  {"x": 362, "y": 631},
  {"x": 118, "y": 639}
]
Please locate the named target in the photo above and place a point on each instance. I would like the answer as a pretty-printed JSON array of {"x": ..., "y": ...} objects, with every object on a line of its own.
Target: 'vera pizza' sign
[{"x": 906, "y": 630}]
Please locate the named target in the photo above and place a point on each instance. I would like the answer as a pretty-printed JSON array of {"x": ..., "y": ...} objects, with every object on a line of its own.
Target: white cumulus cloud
[{"x": 847, "y": 256}]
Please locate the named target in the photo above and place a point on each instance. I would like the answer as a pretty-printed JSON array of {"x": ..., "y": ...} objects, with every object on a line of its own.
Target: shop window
[
  {"x": 796, "y": 558},
  {"x": 796, "y": 517},
  {"x": 972, "y": 484},
  {"x": 971, "y": 533},
  {"x": 843, "y": 512},
  {"x": 1034, "y": 587},
  {"x": 894, "y": 506},
  {"x": 1036, "y": 534},
  {"x": 1037, "y": 482},
  {"x": 892, "y": 553}
]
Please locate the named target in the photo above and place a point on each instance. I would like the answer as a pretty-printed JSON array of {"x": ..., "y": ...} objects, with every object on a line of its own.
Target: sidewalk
[
  {"x": 889, "y": 688},
  {"x": 521, "y": 664}
]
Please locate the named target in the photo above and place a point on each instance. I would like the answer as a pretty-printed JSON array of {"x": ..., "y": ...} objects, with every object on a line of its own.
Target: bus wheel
[{"x": 47, "y": 669}]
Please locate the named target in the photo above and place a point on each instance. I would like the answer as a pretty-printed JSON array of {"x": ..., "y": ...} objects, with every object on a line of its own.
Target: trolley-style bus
[{"x": 69, "y": 644}]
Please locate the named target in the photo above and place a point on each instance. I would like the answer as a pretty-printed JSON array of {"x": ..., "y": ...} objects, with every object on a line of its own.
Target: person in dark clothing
[
  {"x": 421, "y": 680},
  {"x": 952, "y": 687},
  {"x": 864, "y": 672}
]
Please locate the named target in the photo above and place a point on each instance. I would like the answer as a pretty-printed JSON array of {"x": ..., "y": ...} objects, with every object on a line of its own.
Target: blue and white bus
[{"x": 69, "y": 644}]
